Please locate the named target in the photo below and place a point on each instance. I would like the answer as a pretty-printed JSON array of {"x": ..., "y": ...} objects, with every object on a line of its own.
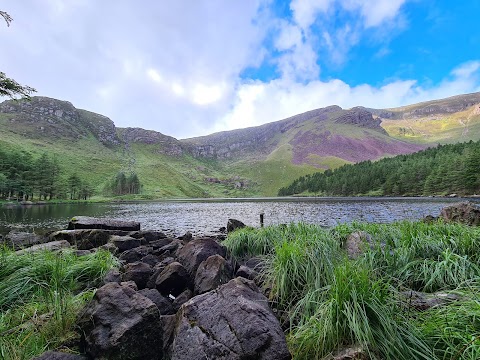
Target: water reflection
[{"x": 207, "y": 216}]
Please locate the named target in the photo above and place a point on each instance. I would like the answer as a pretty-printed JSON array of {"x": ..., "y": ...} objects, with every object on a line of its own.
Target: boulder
[
  {"x": 246, "y": 272},
  {"x": 50, "y": 246},
  {"x": 356, "y": 243},
  {"x": 85, "y": 222},
  {"x": 113, "y": 275},
  {"x": 234, "y": 224},
  {"x": 124, "y": 243},
  {"x": 351, "y": 353},
  {"x": 424, "y": 301},
  {"x": 186, "y": 237},
  {"x": 157, "y": 270},
  {"x": 169, "y": 248},
  {"x": 181, "y": 299},
  {"x": 150, "y": 259},
  {"x": 82, "y": 239},
  {"x": 55, "y": 355},
  {"x": 193, "y": 253},
  {"x": 19, "y": 240},
  {"x": 135, "y": 254},
  {"x": 164, "y": 305},
  {"x": 465, "y": 212},
  {"x": 173, "y": 279},
  {"x": 160, "y": 243},
  {"x": 149, "y": 235},
  {"x": 212, "y": 273},
  {"x": 233, "y": 322},
  {"x": 139, "y": 273},
  {"x": 120, "y": 323}
]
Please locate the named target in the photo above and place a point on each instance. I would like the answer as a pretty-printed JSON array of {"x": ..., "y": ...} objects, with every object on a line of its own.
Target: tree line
[
  {"x": 24, "y": 177},
  {"x": 443, "y": 170}
]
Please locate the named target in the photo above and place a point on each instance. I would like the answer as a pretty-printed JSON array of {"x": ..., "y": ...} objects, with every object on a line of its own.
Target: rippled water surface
[{"x": 207, "y": 216}]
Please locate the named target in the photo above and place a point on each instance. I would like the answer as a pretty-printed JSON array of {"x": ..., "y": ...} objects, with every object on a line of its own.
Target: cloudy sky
[{"x": 192, "y": 67}]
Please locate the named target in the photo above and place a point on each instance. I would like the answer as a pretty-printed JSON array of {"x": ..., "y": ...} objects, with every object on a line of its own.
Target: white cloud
[
  {"x": 374, "y": 12},
  {"x": 306, "y": 11}
]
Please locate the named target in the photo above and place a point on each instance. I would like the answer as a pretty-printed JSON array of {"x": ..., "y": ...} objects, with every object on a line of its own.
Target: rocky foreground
[{"x": 172, "y": 298}]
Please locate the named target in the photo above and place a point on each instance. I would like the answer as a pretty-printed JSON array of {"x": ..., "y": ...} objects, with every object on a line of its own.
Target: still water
[{"x": 206, "y": 216}]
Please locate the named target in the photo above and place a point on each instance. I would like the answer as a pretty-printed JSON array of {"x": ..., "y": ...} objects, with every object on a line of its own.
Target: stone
[
  {"x": 150, "y": 259},
  {"x": 351, "y": 353},
  {"x": 186, "y": 237},
  {"x": 19, "y": 240},
  {"x": 465, "y": 212},
  {"x": 234, "y": 224},
  {"x": 164, "y": 305},
  {"x": 356, "y": 242},
  {"x": 181, "y": 299},
  {"x": 113, "y": 275},
  {"x": 198, "y": 250},
  {"x": 246, "y": 272},
  {"x": 139, "y": 273},
  {"x": 85, "y": 222},
  {"x": 212, "y": 273},
  {"x": 82, "y": 239},
  {"x": 55, "y": 355},
  {"x": 424, "y": 301},
  {"x": 160, "y": 243},
  {"x": 119, "y": 324},
  {"x": 173, "y": 280},
  {"x": 50, "y": 246},
  {"x": 232, "y": 322},
  {"x": 170, "y": 248},
  {"x": 124, "y": 243},
  {"x": 135, "y": 254},
  {"x": 148, "y": 235},
  {"x": 157, "y": 270},
  {"x": 111, "y": 248}
]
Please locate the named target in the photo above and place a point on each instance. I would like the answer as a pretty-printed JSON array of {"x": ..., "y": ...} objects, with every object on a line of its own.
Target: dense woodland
[
  {"x": 444, "y": 170},
  {"x": 24, "y": 177}
]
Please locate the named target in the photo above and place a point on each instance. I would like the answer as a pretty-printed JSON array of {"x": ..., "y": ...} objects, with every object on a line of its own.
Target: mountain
[{"x": 255, "y": 161}]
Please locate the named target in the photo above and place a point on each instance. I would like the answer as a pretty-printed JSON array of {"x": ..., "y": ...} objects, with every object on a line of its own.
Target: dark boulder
[
  {"x": 49, "y": 246},
  {"x": 124, "y": 243},
  {"x": 157, "y": 270},
  {"x": 160, "y": 243},
  {"x": 148, "y": 235},
  {"x": 186, "y": 237},
  {"x": 82, "y": 239},
  {"x": 233, "y": 322},
  {"x": 85, "y": 222},
  {"x": 19, "y": 240},
  {"x": 164, "y": 305},
  {"x": 181, "y": 299},
  {"x": 234, "y": 224},
  {"x": 212, "y": 273},
  {"x": 246, "y": 272},
  {"x": 193, "y": 253},
  {"x": 139, "y": 273},
  {"x": 120, "y": 323},
  {"x": 55, "y": 355},
  {"x": 465, "y": 212},
  {"x": 424, "y": 301},
  {"x": 113, "y": 275},
  {"x": 150, "y": 259},
  {"x": 135, "y": 254},
  {"x": 169, "y": 248},
  {"x": 173, "y": 280}
]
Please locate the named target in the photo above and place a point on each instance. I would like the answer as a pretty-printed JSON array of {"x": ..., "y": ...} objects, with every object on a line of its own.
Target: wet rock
[
  {"x": 19, "y": 240},
  {"x": 198, "y": 250},
  {"x": 173, "y": 280},
  {"x": 135, "y": 254},
  {"x": 120, "y": 323},
  {"x": 149, "y": 235},
  {"x": 55, "y": 355},
  {"x": 85, "y": 222},
  {"x": 124, "y": 243},
  {"x": 82, "y": 239},
  {"x": 234, "y": 224},
  {"x": 465, "y": 212},
  {"x": 212, "y": 273},
  {"x": 424, "y": 301},
  {"x": 233, "y": 322},
  {"x": 139, "y": 273},
  {"x": 181, "y": 299},
  {"x": 356, "y": 242},
  {"x": 163, "y": 304},
  {"x": 50, "y": 246}
]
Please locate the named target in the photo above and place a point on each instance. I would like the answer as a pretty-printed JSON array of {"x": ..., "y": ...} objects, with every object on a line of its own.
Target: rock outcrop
[{"x": 465, "y": 212}]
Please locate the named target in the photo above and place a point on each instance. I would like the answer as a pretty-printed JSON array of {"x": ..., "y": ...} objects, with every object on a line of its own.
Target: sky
[{"x": 189, "y": 68}]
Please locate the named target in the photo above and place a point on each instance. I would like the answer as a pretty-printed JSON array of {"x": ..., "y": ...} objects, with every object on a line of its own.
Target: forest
[
  {"x": 442, "y": 170},
  {"x": 24, "y": 177}
]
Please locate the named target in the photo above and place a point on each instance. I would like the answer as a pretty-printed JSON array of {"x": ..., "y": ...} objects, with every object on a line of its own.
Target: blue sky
[{"x": 188, "y": 68}]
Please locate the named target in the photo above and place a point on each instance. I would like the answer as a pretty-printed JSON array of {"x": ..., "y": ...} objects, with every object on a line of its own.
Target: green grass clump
[
  {"x": 41, "y": 294},
  {"x": 333, "y": 302}
]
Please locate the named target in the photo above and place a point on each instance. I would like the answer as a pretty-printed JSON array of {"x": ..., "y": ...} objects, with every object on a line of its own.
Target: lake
[{"x": 206, "y": 216}]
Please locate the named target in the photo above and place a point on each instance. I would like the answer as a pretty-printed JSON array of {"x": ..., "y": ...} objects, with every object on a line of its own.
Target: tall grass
[
  {"x": 40, "y": 295},
  {"x": 334, "y": 302}
]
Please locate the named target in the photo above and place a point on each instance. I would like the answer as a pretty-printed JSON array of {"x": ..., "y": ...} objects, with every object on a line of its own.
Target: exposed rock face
[
  {"x": 166, "y": 144},
  {"x": 361, "y": 117},
  {"x": 198, "y": 250},
  {"x": 82, "y": 239},
  {"x": 234, "y": 224},
  {"x": 121, "y": 323},
  {"x": 85, "y": 222},
  {"x": 212, "y": 273},
  {"x": 19, "y": 240},
  {"x": 465, "y": 212},
  {"x": 233, "y": 322}
]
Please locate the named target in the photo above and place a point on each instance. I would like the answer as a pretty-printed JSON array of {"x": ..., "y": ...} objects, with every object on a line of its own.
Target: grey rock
[
  {"x": 148, "y": 235},
  {"x": 424, "y": 301},
  {"x": 356, "y": 243},
  {"x": 234, "y": 224},
  {"x": 150, "y": 259},
  {"x": 233, "y": 322},
  {"x": 212, "y": 273},
  {"x": 173, "y": 279},
  {"x": 164, "y": 305},
  {"x": 246, "y": 272},
  {"x": 55, "y": 355},
  {"x": 181, "y": 299},
  {"x": 135, "y": 254},
  {"x": 157, "y": 270},
  {"x": 113, "y": 275},
  {"x": 50, "y": 246},
  {"x": 193, "y": 253},
  {"x": 139, "y": 273},
  {"x": 120, "y": 323},
  {"x": 82, "y": 239},
  {"x": 19, "y": 240},
  {"x": 465, "y": 212},
  {"x": 85, "y": 222},
  {"x": 124, "y": 243}
]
